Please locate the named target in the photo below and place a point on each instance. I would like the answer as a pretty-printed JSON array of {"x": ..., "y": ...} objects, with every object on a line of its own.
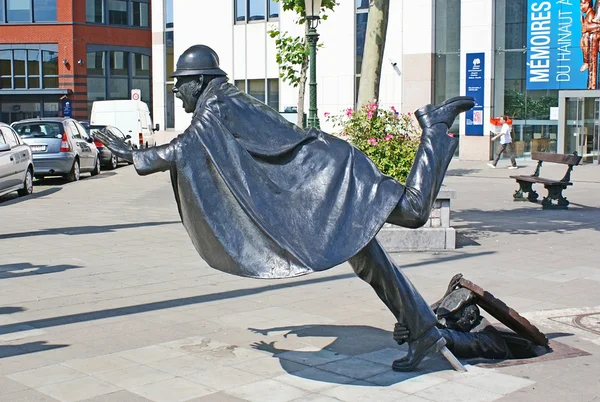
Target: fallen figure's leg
[{"x": 375, "y": 267}]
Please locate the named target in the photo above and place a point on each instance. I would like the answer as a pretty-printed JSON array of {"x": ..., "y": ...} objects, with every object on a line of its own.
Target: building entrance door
[{"x": 582, "y": 125}]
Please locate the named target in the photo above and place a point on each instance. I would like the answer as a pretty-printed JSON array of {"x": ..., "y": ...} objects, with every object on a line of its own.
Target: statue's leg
[
  {"x": 422, "y": 186},
  {"x": 431, "y": 162},
  {"x": 374, "y": 266}
]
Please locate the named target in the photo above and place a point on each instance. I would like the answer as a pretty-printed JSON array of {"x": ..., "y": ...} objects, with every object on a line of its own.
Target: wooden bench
[{"x": 554, "y": 187}]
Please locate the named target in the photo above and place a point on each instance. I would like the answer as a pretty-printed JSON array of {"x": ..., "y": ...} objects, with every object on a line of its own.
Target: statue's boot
[
  {"x": 445, "y": 112},
  {"x": 430, "y": 342}
]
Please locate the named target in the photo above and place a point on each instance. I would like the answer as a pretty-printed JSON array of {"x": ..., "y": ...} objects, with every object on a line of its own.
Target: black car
[{"x": 107, "y": 158}]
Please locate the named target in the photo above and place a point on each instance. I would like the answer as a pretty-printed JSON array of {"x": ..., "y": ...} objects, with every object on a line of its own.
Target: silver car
[
  {"x": 16, "y": 163},
  {"x": 60, "y": 146}
]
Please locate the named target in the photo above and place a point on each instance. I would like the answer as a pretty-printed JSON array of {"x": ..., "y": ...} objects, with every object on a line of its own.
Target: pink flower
[
  {"x": 408, "y": 113},
  {"x": 370, "y": 113},
  {"x": 372, "y": 141},
  {"x": 349, "y": 112},
  {"x": 326, "y": 114},
  {"x": 393, "y": 108},
  {"x": 343, "y": 133},
  {"x": 389, "y": 137},
  {"x": 374, "y": 106}
]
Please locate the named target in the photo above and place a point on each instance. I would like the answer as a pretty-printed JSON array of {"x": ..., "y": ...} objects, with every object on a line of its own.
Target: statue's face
[{"x": 188, "y": 89}]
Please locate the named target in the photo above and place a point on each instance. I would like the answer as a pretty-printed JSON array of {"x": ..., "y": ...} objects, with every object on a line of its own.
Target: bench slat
[
  {"x": 533, "y": 179},
  {"x": 556, "y": 158}
]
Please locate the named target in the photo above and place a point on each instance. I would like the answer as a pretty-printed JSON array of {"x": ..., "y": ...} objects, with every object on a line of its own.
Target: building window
[
  {"x": 44, "y": 10},
  {"x": 33, "y": 69},
  {"x": 117, "y": 12},
  {"x": 28, "y": 69},
  {"x": 50, "y": 69},
  {"x": 113, "y": 73},
  {"x": 273, "y": 93},
  {"x": 362, "y": 4},
  {"x": 18, "y": 10},
  {"x": 240, "y": 11},
  {"x": 27, "y": 11},
  {"x": 360, "y": 32},
  {"x": 273, "y": 9},
  {"x": 141, "y": 15},
  {"x": 447, "y": 53},
  {"x": 256, "y": 88},
  {"x": 5, "y": 69},
  {"x": 241, "y": 84},
  {"x": 94, "y": 11},
  {"x": 255, "y": 10},
  {"x": 266, "y": 92}
]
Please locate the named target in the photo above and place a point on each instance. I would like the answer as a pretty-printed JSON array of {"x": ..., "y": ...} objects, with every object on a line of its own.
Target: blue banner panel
[
  {"x": 554, "y": 44},
  {"x": 475, "y": 86},
  {"x": 66, "y": 108}
]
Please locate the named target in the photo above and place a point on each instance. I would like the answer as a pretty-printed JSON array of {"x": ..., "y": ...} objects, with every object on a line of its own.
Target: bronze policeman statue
[{"x": 263, "y": 198}]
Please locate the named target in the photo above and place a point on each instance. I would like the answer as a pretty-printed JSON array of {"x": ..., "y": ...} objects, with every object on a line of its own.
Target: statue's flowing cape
[{"x": 262, "y": 198}]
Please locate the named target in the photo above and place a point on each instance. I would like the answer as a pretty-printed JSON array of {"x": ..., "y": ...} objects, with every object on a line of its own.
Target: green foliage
[
  {"x": 297, "y": 6},
  {"x": 389, "y": 138},
  {"x": 292, "y": 52}
]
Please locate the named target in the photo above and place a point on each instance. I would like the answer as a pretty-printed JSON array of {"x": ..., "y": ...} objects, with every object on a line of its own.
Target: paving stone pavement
[{"x": 103, "y": 298}]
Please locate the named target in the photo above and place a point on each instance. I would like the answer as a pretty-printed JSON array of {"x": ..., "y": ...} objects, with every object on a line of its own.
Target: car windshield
[{"x": 49, "y": 129}]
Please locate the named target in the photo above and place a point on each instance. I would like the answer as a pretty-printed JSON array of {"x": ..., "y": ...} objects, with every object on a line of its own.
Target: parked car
[
  {"x": 132, "y": 117},
  {"x": 107, "y": 158},
  {"x": 60, "y": 147},
  {"x": 16, "y": 163}
]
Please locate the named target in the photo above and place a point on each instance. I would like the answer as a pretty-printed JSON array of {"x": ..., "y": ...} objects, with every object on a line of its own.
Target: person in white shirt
[{"x": 506, "y": 145}]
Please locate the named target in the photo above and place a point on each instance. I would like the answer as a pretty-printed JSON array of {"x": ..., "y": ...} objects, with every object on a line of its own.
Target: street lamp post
[{"x": 313, "y": 7}]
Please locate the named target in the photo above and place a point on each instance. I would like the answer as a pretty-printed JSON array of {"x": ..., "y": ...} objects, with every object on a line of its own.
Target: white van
[{"x": 132, "y": 117}]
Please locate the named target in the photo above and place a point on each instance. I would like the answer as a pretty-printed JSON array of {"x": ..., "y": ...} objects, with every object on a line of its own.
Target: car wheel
[
  {"x": 96, "y": 170},
  {"x": 114, "y": 162},
  {"x": 75, "y": 172},
  {"x": 27, "y": 184}
]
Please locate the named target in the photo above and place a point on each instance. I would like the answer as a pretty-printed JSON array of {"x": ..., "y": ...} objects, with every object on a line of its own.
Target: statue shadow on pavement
[
  {"x": 356, "y": 353},
  {"x": 362, "y": 353}
]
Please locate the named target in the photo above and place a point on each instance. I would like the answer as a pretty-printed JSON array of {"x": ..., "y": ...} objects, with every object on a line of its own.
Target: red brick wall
[{"x": 72, "y": 36}]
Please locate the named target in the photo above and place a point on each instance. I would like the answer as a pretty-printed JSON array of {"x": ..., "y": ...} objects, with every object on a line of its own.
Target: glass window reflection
[
  {"x": 117, "y": 12},
  {"x": 240, "y": 10},
  {"x": 140, "y": 14},
  {"x": 94, "y": 11},
  {"x": 18, "y": 11},
  {"x": 273, "y": 9},
  {"x": 256, "y": 10},
  {"x": 44, "y": 10}
]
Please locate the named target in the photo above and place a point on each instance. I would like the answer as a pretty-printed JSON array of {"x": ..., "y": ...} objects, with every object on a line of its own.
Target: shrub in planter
[{"x": 386, "y": 136}]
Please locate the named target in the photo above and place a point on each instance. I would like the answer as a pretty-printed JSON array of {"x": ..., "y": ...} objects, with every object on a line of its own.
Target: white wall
[
  {"x": 200, "y": 22},
  {"x": 477, "y": 35},
  {"x": 158, "y": 63}
]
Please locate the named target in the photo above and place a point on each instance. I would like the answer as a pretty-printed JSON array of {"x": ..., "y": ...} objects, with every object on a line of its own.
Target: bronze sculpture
[
  {"x": 262, "y": 198},
  {"x": 468, "y": 334}
]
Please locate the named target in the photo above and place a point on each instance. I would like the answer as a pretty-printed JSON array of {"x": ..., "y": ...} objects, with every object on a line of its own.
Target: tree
[
  {"x": 292, "y": 52},
  {"x": 370, "y": 73}
]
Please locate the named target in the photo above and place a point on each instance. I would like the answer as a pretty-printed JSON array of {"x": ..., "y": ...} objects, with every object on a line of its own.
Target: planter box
[{"x": 435, "y": 235}]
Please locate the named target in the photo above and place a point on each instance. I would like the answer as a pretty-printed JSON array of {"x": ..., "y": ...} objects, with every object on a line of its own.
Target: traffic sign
[{"x": 136, "y": 94}]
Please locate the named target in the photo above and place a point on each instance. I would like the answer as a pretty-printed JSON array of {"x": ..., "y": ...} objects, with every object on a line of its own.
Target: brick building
[{"x": 60, "y": 55}]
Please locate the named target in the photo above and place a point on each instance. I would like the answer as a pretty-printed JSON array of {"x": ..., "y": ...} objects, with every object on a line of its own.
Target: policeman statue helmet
[{"x": 198, "y": 60}]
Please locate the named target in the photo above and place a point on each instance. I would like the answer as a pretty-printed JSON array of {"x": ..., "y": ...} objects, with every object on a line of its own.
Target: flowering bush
[{"x": 388, "y": 137}]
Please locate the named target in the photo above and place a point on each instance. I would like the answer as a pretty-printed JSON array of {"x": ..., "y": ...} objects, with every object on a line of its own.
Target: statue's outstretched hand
[
  {"x": 116, "y": 145},
  {"x": 401, "y": 333}
]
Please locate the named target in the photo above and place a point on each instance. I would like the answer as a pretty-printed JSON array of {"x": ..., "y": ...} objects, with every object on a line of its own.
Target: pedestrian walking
[{"x": 506, "y": 145}]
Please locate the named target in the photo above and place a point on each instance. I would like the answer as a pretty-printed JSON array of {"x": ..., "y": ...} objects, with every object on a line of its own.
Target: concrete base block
[{"x": 395, "y": 239}]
